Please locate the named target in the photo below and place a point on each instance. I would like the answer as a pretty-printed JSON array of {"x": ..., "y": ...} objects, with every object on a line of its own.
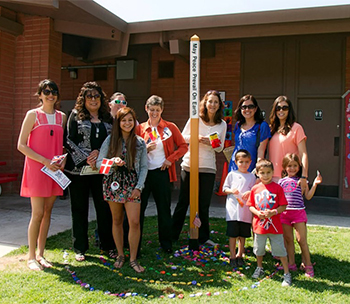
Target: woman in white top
[{"x": 211, "y": 114}]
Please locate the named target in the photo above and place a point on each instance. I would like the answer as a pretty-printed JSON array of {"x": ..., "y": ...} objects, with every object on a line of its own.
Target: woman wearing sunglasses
[
  {"x": 40, "y": 139},
  {"x": 116, "y": 102},
  {"x": 287, "y": 137},
  {"x": 88, "y": 126},
  {"x": 251, "y": 132}
]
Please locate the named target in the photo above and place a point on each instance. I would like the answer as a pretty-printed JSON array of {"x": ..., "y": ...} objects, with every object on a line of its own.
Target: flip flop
[
  {"x": 80, "y": 257},
  {"x": 45, "y": 263},
  {"x": 34, "y": 265}
]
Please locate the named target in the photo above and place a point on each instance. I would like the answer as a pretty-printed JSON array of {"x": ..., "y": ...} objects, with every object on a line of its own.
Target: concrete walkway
[{"x": 15, "y": 216}]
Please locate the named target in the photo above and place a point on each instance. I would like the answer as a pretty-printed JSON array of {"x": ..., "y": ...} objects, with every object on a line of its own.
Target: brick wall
[
  {"x": 24, "y": 61},
  {"x": 221, "y": 73},
  {"x": 71, "y": 87}
]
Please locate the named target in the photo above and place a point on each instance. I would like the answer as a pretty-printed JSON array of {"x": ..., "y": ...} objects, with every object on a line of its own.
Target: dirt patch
[{"x": 14, "y": 262}]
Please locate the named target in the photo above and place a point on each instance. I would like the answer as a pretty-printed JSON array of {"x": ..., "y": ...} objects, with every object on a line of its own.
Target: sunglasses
[
  {"x": 117, "y": 101},
  {"x": 283, "y": 108},
  {"x": 47, "y": 92},
  {"x": 96, "y": 96},
  {"x": 245, "y": 107}
]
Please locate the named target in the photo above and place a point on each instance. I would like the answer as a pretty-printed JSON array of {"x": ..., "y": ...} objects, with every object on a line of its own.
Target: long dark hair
[
  {"x": 53, "y": 86},
  {"x": 274, "y": 120},
  {"x": 258, "y": 116},
  {"x": 116, "y": 142},
  {"x": 203, "y": 112},
  {"x": 287, "y": 159},
  {"x": 103, "y": 111}
]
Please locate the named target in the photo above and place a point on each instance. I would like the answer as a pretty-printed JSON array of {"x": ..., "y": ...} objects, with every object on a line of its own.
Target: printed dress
[
  {"x": 46, "y": 139},
  {"x": 119, "y": 184}
]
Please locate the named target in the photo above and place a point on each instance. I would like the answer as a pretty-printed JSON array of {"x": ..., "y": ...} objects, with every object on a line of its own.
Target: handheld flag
[{"x": 106, "y": 165}]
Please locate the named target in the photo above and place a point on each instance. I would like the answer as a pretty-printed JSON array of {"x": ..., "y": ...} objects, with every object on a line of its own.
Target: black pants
[
  {"x": 206, "y": 186},
  {"x": 79, "y": 191},
  {"x": 158, "y": 183}
]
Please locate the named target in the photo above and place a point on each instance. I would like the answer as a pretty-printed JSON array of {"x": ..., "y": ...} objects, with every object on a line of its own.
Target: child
[
  {"x": 266, "y": 202},
  {"x": 238, "y": 216},
  {"x": 295, "y": 215}
]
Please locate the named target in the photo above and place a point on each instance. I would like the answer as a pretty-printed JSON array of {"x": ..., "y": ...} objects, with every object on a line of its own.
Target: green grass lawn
[{"x": 172, "y": 275}]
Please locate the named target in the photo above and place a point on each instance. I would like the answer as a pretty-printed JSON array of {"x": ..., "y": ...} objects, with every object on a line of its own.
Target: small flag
[
  {"x": 106, "y": 165},
  {"x": 197, "y": 222},
  {"x": 58, "y": 159},
  {"x": 153, "y": 135}
]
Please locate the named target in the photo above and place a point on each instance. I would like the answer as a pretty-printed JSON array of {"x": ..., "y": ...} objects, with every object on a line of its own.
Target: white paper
[
  {"x": 87, "y": 170},
  {"x": 58, "y": 176}
]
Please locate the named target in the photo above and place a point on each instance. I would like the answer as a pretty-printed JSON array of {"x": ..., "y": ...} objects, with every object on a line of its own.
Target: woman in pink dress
[{"x": 40, "y": 139}]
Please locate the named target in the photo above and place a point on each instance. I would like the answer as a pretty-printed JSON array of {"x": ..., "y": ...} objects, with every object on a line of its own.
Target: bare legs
[
  {"x": 133, "y": 213},
  {"x": 301, "y": 236},
  {"x": 39, "y": 225}
]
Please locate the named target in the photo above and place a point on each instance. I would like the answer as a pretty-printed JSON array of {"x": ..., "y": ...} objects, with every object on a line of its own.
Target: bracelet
[
  {"x": 276, "y": 211},
  {"x": 304, "y": 177}
]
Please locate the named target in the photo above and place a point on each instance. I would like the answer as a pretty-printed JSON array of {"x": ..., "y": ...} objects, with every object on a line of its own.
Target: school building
[{"x": 301, "y": 53}]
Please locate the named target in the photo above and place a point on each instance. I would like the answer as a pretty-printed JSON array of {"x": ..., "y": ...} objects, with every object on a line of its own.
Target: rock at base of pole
[{"x": 193, "y": 244}]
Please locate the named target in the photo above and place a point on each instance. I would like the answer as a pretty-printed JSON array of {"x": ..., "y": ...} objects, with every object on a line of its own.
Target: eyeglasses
[
  {"x": 48, "y": 92},
  {"x": 96, "y": 96},
  {"x": 283, "y": 108},
  {"x": 245, "y": 107},
  {"x": 117, "y": 101}
]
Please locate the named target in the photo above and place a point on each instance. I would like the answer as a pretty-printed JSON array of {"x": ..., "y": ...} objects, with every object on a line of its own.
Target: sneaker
[
  {"x": 258, "y": 273},
  {"x": 233, "y": 263},
  {"x": 287, "y": 279},
  {"x": 240, "y": 262},
  {"x": 210, "y": 243}
]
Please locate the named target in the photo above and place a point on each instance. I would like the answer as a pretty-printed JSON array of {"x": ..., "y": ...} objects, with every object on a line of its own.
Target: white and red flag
[{"x": 106, "y": 165}]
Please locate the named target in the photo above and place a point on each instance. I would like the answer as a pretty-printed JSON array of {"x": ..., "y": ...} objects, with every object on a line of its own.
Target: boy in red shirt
[{"x": 266, "y": 202}]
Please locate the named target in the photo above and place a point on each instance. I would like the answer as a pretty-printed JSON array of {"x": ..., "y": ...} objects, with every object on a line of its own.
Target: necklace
[{"x": 97, "y": 129}]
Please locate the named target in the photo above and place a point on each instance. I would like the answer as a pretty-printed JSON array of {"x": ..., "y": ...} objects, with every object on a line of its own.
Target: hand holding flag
[{"x": 106, "y": 165}]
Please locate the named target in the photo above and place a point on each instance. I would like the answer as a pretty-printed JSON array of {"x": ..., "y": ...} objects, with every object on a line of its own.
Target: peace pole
[{"x": 194, "y": 143}]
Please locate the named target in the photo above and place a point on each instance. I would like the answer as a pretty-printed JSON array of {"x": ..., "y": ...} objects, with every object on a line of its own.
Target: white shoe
[{"x": 210, "y": 243}]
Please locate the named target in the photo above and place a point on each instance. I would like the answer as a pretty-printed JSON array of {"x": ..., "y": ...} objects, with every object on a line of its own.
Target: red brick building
[{"x": 301, "y": 53}]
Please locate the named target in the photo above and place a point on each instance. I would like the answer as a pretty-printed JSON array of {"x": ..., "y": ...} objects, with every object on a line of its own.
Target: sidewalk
[{"x": 15, "y": 215}]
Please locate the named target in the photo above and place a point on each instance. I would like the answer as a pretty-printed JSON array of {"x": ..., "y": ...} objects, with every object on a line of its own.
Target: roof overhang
[{"x": 91, "y": 32}]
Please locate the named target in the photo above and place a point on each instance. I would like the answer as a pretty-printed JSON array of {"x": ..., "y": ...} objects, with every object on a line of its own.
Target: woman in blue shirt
[{"x": 251, "y": 132}]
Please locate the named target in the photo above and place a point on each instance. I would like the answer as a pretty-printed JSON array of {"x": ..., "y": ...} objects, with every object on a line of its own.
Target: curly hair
[
  {"x": 274, "y": 120},
  {"x": 287, "y": 159},
  {"x": 258, "y": 116},
  {"x": 104, "y": 110},
  {"x": 116, "y": 142},
  {"x": 203, "y": 111},
  {"x": 53, "y": 86}
]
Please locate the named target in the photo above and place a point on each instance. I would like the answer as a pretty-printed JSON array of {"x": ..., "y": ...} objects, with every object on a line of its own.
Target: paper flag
[{"x": 106, "y": 165}]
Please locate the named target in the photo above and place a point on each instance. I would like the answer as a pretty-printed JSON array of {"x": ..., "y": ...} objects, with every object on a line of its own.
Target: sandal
[
  {"x": 290, "y": 267},
  {"x": 136, "y": 266},
  {"x": 309, "y": 271},
  {"x": 113, "y": 253},
  {"x": 80, "y": 257},
  {"x": 34, "y": 265},
  {"x": 120, "y": 260},
  {"x": 45, "y": 263}
]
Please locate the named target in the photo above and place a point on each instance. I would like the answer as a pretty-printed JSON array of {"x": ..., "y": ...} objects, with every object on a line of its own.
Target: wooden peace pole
[{"x": 194, "y": 152}]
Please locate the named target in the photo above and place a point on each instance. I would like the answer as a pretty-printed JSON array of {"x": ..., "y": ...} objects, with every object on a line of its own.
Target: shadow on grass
[{"x": 168, "y": 274}]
